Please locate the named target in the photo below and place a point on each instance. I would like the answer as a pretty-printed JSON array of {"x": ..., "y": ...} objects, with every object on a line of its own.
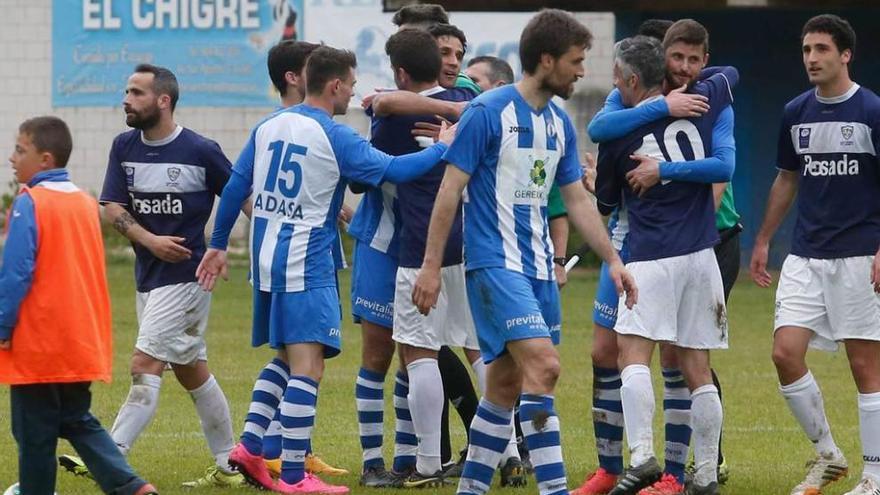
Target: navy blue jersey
[
  {"x": 168, "y": 186},
  {"x": 673, "y": 218},
  {"x": 392, "y": 134},
  {"x": 833, "y": 144}
]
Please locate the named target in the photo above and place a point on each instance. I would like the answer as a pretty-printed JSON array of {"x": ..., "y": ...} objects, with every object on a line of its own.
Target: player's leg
[
  {"x": 801, "y": 321},
  {"x": 707, "y": 417},
  {"x": 727, "y": 252},
  {"x": 372, "y": 302},
  {"x": 36, "y": 417},
  {"x": 864, "y": 360},
  {"x": 405, "y": 442},
  {"x": 607, "y": 410},
  {"x": 458, "y": 389},
  {"x": 677, "y": 422}
]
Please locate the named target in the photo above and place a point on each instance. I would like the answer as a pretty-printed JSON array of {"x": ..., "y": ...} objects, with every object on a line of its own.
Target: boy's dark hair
[
  {"x": 325, "y": 64},
  {"x": 438, "y": 30},
  {"x": 839, "y": 28},
  {"x": 414, "y": 51},
  {"x": 421, "y": 14},
  {"x": 550, "y": 31},
  {"x": 687, "y": 31},
  {"x": 49, "y": 134},
  {"x": 164, "y": 81},
  {"x": 287, "y": 56},
  {"x": 655, "y": 28},
  {"x": 499, "y": 69}
]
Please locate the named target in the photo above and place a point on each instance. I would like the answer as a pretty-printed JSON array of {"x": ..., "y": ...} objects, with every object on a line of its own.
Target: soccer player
[
  {"x": 686, "y": 52},
  {"x": 489, "y": 72},
  {"x": 829, "y": 142},
  {"x": 159, "y": 192},
  {"x": 671, "y": 231},
  {"x": 55, "y": 321},
  {"x": 514, "y": 143},
  {"x": 286, "y": 66},
  {"x": 298, "y": 162}
]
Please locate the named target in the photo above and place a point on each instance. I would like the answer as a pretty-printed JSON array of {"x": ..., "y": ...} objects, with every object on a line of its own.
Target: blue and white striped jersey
[
  {"x": 377, "y": 219},
  {"x": 513, "y": 154},
  {"x": 297, "y": 161}
]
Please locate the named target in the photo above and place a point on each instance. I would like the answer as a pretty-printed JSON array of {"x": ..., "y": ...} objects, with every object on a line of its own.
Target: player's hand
[
  {"x": 758, "y": 265},
  {"x": 645, "y": 176},
  {"x": 169, "y": 248},
  {"x": 426, "y": 129},
  {"x": 683, "y": 104},
  {"x": 447, "y": 132},
  {"x": 589, "y": 168},
  {"x": 561, "y": 276},
  {"x": 459, "y": 107},
  {"x": 624, "y": 282},
  {"x": 426, "y": 290},
  {"x": 5, "y": 344},
  {"x": 875, "y": 273},
  {"x": 213, "y": 264},
  {"x": 345, "y": 214}
]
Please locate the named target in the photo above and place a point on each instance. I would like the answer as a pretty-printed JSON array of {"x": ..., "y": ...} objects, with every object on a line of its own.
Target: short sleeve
[
  {"x": 217, "y": 167},
  {"x": 244, "y": 165},
  {"x": 357, "y": 159},
  {"x": 607, "y": 181},
  {"x": 115, "y": 188},
  {"x": 569, "y": 168},
  {"x": 786, "y": 158},
  {"x": 471, "y": 139}
]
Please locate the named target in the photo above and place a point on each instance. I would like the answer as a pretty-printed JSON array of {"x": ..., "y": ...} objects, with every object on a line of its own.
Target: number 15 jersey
[
  {"x": 298, "y": 161},
  {"x": 673, "y": 218}
]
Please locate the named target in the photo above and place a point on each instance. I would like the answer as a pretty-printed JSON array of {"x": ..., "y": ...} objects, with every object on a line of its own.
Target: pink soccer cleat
[
  {"x": 251, "y": 467},
  {"x": 311, "y": 484}
]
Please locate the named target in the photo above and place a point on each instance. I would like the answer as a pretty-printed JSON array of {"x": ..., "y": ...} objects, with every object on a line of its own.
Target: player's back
[
  {"x": 672, "y": 218},
  {"x": 298, "y": 169}
]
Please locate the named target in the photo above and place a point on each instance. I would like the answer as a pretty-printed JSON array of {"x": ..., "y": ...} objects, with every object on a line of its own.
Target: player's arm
[
  {"x": 782, "y": 195},
  {"x": 427, "y": 286},
  {"x": 585, "y": 218},
  {"x": 614, "y": 120},
  {"x": 167, "y": 248},
  {"x": 409, "y": 103},
  {"x": 17, "y": 270},
  {"x": 558, "y": 217}
]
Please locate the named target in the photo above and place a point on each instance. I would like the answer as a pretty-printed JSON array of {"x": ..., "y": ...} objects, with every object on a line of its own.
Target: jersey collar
[
  {"x": 163, "y": 141},
  {"x": 840, "y": 98}
]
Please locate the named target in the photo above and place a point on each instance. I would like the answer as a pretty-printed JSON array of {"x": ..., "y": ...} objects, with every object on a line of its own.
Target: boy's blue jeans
[{"x": 43, "y": 413}]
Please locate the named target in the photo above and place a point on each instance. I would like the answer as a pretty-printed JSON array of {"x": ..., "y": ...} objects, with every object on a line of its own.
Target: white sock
[
  {"x": 637, "y": 395},
  {"x": 869, "y": 428},
  {"x": 137, "y": 411},
  {"x": 805, "y": 401},
  {"x": 213, "y": 413},
  {"x": 480, "y": 370},
  {"x": 706, "y": 417},
  {"x": 426, "y": 408}
]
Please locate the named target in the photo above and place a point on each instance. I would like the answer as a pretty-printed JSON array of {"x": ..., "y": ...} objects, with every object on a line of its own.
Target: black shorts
[{"x": 728, "y": 256}]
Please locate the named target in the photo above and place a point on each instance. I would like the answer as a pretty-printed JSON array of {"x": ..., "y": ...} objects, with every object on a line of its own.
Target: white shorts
[
  {"x": 834, "y": 298},
  {"x": 681, "y": 301},
  {"x": 172, "y": 321},
  {"x": 448, "y": 324}
]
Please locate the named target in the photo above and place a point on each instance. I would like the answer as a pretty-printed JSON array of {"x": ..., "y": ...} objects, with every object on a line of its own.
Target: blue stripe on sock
[
  {"x": 371, "y": 417},
  {"x": 373, "y": 376},
  {"x": 477, "y": 471},
  {"x": 361, "y": 392},
  {"x": 614, "y": 465},
  {"x": 684, "y": 405},
  {"x": 609, "y": 405},
  {"x": 608, "y": 431},
  {"x": 486, "y": 441},
  {"x": 678, "y": 433}
]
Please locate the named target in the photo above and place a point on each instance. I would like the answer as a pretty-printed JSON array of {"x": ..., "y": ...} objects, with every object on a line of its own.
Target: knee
[
  {"x": 864, "y": 369},
  {"x": 545, "y": 371},
  {"x": 378, "y": 362},
  {"x": 786, "y": 358},
  {"x": 604, "y": 353}
]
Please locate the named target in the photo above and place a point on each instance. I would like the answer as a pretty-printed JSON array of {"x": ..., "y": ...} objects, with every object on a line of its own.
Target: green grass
[{"x": 764, "y": 445}]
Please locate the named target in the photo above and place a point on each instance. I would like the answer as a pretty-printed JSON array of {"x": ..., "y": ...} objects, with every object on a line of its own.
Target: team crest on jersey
[
  {"x": 847, "y": 132},
  {"x": 804, "y": 137},
  {"x": 551, "y": 130},
  {"x": 129, "y": 176},
  {"x": 538, "y": 174},
  {"x": 173, "y": 173}
]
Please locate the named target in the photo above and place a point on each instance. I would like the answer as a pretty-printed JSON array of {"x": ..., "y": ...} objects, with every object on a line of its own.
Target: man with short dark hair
[
  {"x": 489, "y": 72},
  {"x": 510, "y": 279},
  {"x": 298, "y": 162},
  {"x": 829, "y": 142},
  {"x": 159, "y": 192},
  {"x": 420, "y": 16},
  {"x": 670, "y": 239}
]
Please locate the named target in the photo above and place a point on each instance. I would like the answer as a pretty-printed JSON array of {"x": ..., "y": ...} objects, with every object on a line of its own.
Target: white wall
[{"x": 25, "y": 91}]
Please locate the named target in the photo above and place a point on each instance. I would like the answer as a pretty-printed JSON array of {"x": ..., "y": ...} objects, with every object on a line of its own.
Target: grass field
[{"x": 765, "y": 447}]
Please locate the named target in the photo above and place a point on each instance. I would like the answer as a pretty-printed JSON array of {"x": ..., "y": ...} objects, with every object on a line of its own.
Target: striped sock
[
  {"x": 540, "y": 426},
  {"x": 272, "y": 438},
  {"x": 608, "y": 419},
  {"x": 490, "y": 434},
  {"x": 368, "y": 393},
  {"x": 405, "y": 443},
  {"x": 265, "y": 397},
  {"x": 297, "y": 421},
  {"x": 677, "y": 415}
]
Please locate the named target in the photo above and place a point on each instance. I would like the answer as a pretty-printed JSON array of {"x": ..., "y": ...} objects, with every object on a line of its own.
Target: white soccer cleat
[
  {"x": 822, "y": 472},
  {"x": 868, "y": 486}
]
